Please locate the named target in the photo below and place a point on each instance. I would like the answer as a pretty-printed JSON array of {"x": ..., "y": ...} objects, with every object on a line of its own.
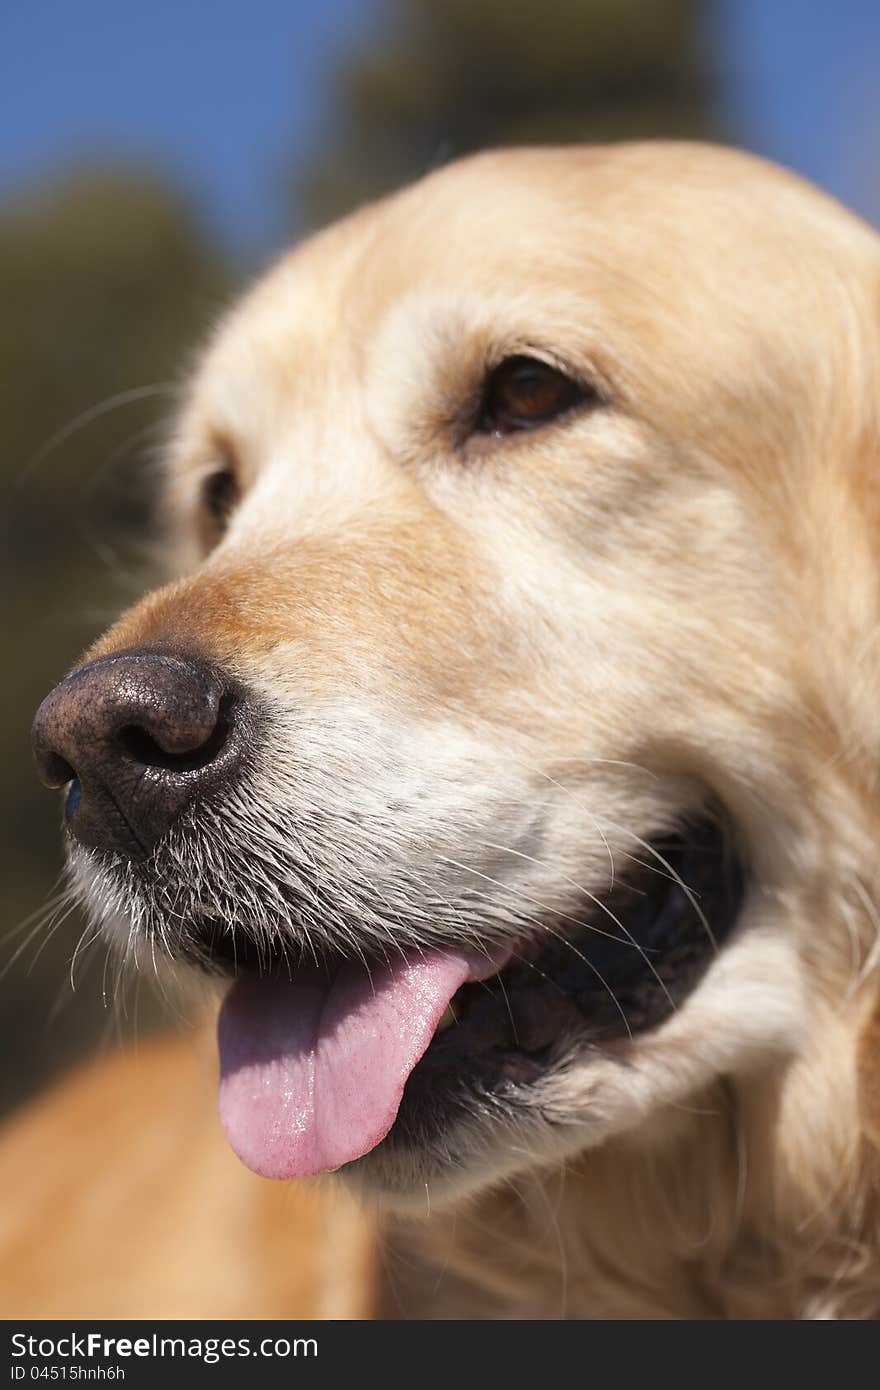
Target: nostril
[
  {"x": 56, "y": 771},
  {"x": 142, "y": 747}
]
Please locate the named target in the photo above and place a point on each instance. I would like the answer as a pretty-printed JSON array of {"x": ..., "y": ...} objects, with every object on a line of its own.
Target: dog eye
[
  {"x": 523, "y": 393},
  {"x": 220, "y": 493}
]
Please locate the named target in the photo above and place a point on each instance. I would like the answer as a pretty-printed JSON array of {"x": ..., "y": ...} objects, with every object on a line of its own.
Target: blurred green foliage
[
  {"x": 107, "y": 282},
  {"x": 444, "y": 77}
]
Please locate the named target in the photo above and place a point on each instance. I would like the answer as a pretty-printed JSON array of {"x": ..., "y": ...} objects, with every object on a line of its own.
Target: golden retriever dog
[{"x": 507, "y": 747}]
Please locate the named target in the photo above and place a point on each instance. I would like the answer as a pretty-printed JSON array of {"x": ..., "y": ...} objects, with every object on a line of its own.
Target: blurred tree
[
  {"x": 106, "y": 281},
  {"x": 444, "y": 77}
]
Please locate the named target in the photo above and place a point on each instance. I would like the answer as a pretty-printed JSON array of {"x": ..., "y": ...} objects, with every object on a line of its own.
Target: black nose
[{"x": 138, "y": 735}]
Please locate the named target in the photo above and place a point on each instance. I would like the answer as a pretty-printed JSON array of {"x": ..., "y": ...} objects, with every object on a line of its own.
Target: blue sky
[
  {"x": 801, "y": 84},
  {"x": 226, "y": 96},
  {"x": 222, "y": 95}
]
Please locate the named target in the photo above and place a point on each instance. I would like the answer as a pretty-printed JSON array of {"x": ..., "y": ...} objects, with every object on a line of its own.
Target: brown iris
[{"x": 523, "y": 393}]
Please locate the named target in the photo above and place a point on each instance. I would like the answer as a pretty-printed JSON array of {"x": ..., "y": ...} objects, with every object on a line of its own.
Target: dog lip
[
  {"x": 565, "y": 991},
  {"x": 229, "y": 949},
  {"x": 637, "y": 947}
]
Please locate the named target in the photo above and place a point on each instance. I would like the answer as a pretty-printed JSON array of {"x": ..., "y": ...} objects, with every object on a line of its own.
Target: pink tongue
[{"x": 313, "y": 1070}]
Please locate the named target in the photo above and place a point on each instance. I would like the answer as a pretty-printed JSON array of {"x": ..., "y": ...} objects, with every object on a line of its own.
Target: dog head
[{"x": 507, "y": 733}]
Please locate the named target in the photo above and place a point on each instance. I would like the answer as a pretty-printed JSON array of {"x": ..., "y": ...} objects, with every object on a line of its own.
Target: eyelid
[
  {"x": 221, "y": 453},
  {"x": 589, "y": 375}
]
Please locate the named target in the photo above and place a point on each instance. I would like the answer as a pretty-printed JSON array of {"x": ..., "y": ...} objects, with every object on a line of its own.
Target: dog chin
[{"x": 416, "y": 1179}]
